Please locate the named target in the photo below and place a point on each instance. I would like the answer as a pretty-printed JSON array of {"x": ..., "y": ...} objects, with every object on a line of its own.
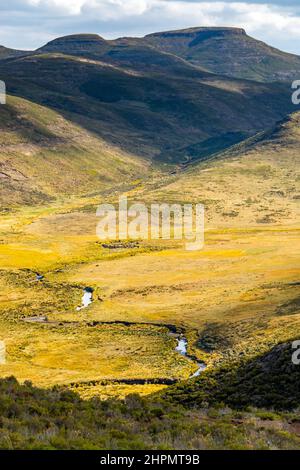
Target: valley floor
[{"x": 237, "y": 296}]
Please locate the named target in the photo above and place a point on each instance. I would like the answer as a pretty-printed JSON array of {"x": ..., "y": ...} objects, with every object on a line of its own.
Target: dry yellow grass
[{"x": 245, "y": 281}]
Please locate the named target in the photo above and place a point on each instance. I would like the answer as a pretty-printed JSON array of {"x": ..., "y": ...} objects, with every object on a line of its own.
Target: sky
[{"x": 29, "y": 24}]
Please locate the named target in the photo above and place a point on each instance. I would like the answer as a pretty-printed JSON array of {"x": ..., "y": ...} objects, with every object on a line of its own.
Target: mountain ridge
[
  {"x": 133, "y": 98},
  {"x": 227, "y": 51},
  {"x": 160, "y": 112}
]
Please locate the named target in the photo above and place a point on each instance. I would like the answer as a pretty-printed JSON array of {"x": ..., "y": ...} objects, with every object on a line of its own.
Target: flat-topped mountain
[
  {"x": 228, "y": 51},
  {"x": 202, "y": 30},
  {"x": 220, "y": 50},
  {"x": 75, "y": 44}
]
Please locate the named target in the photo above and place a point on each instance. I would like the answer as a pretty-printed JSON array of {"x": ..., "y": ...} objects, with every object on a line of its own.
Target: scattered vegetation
[{"x": 32, "y": 418}]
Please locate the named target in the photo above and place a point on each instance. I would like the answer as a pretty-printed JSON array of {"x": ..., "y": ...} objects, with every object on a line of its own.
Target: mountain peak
[
  {"x": 227, "y": 51},
  {"x": 74, "y": 44},
  {"x": 201, "y": 30}
]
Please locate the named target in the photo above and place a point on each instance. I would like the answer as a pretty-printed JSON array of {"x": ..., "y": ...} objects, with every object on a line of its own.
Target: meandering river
[
  {"x": 182, "y": 348},
  {"x": 182, "y": 342}
]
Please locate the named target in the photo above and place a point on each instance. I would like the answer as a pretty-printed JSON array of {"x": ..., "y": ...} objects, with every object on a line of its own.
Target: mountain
[
  {"x": 223, "y": 51},
  {"x": 130, "y": 102},
  {"x": 164, "y": 112},
  {"x": 228, "y": 51},
  {"x": 77, "y": 44},
  {"x": 124, "y": 52}
]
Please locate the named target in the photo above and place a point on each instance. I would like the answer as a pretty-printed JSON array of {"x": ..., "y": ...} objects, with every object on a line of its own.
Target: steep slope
[
  {"x": 228, "y": 51},
  {"x": 261, "y": 176},
  {"x": 162, "y": 115},
  {"x": 264, "y": 381},
  {"x": 43, "y": 155}
]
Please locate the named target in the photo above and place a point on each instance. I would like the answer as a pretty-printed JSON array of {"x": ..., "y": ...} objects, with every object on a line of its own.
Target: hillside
[
  {"x": 159, "y": 115},
  {"x": 6, "y": 53},
  {"x": 223, "y": 51},
  {"x": 44, "y": 155},
  {"x": 228, "y": 51},
  {"x": 261, "y": 176}
]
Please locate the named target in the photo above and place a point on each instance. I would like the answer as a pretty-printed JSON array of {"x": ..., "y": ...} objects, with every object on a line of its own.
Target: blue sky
[{"x": 28, "y": 24}]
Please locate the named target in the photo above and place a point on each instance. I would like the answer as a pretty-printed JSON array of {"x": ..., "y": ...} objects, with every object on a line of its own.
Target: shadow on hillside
[
  {"x": 150, "y": 114},
  {"x": 268, "y": 381}
]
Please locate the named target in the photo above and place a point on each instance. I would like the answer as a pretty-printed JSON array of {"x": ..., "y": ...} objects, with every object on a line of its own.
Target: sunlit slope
[
  {"x": 250, "y": 264},
  {"x": 43, "y": 155},
  {"x": 253, "y": 184}
]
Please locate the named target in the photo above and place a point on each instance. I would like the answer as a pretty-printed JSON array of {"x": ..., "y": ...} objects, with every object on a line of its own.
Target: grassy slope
[
  {"x": 261, "y": 177},
  {"x": 44, "y": 155}
]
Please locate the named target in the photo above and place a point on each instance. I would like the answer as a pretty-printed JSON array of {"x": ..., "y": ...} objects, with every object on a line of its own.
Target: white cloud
[{"x": 29, "y": 23}]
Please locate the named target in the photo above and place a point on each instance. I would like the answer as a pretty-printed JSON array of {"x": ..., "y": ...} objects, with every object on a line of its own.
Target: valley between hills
[{"x": 87, "y": 121}]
